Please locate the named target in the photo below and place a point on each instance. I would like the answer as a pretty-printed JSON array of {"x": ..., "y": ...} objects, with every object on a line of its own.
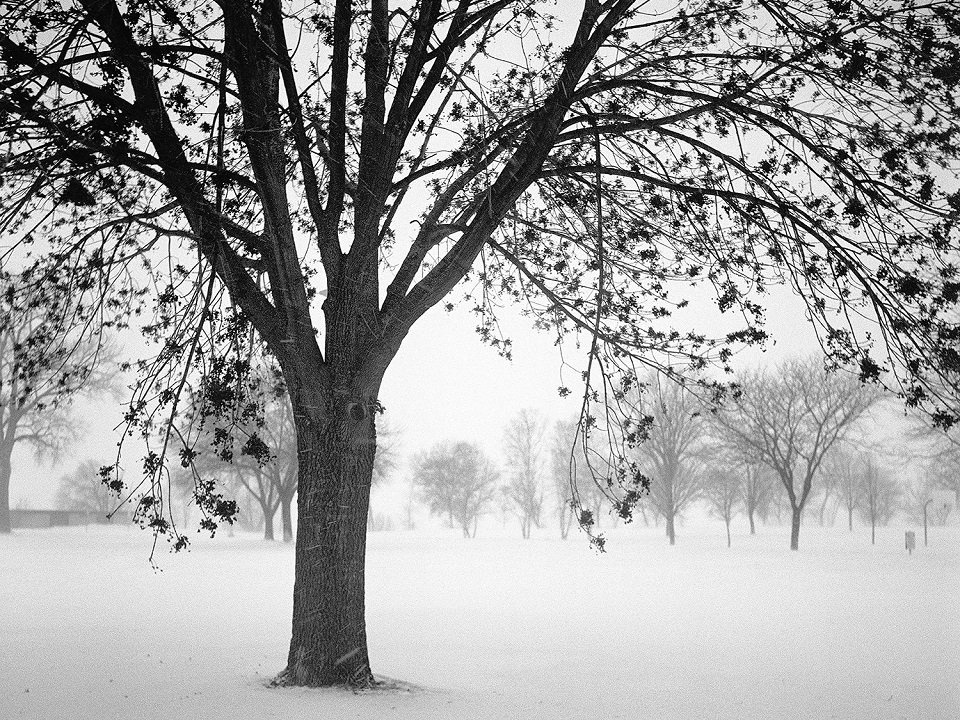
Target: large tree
[
  {"x": 789, "y": 418},
  {"x": 253, "y": 157}
]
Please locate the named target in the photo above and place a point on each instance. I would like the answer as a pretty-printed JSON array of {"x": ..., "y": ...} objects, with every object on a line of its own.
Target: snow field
[{"x": 493, "y": 627}]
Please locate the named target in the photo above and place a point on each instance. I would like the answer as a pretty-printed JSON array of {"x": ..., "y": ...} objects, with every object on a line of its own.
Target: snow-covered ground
[{"x": 493, "y": 627}]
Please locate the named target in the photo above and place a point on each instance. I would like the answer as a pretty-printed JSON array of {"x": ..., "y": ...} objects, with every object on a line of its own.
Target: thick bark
[
  {"x": 5, "y": 466},
  {"x": 670, "y": 530},
  {"x": 795, "y": 527},
  {"x": 329, "y": 642},
  {"x": 286, "y": 518}
]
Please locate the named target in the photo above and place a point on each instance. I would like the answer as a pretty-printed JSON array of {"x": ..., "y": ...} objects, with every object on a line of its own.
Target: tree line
[{"x": 789, "y": 444}]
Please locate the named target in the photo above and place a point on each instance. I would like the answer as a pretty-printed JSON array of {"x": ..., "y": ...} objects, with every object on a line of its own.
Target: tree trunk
[
  {"x": 5, "y": 469},
  {"x": 670, "y": 531},
  {"x": 795, "y": 528},
  {"x": 329, "y": 640},
  {"x": 753, "y": 527},
  {"x": 267, "y": 522},
  {"x": 286, "y": 518},
  {"x": 873, "y": 531},
  {"x": 728, "y": 532},
  {"x": 850, "y": 518}
]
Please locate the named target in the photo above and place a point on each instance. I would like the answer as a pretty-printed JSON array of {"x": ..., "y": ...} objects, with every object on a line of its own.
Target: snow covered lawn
[{"x": 493, "y": 627}]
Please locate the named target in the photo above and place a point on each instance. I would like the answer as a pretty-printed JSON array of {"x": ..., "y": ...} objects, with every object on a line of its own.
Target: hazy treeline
[{"x": 795, "y": 443}]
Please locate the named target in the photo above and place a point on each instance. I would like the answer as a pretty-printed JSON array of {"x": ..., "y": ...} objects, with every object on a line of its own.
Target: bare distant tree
[
  {"x": 942, "y": 451},
  {"x": 722, "y": 488},
  {"x": 917, "y": 496},
  {"x": 670, "y": 454},
  {"x": 523, "y": 443},
  {"x": 47, "y": 357},
  {"x": 562, "y": 474},
  {"x": 789, "y": 418},
  {"x": 756, "y": 492},
  {"x": 456, "y": 480},
  {"x": 83, "y": 489},
  {"x": 824, "y": 492},
  {"x": 385, "y": 463},
  {"x": 845, "y": 467},
  {"x": 879, "y": 497},
  {"x": 182, "y": 485},
  {"x": 254, "y": 449},
  {"x": 571, "y": 474}
]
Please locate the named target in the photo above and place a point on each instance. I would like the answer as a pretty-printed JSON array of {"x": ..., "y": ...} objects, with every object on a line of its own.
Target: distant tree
[
  {"x": 83, "y": 489},
  {"x": 789, "y": 418},
  {"x": 879, "y": 497},
  {"x": 254, "y": 449},
  {"x": 573, "y": 479},
  {"x": 385, "y": 464},
  {"x": 670, "y": 454},
  {"x": 917, "y": 496},
  {"x": 48, "y": 355},
  {"x": 756, "y": 492},
  {"x": 575, "y": 468},
  {"x": 183, "y": 486},
  {"x": 825, "y": 491},
  {"x": 456, "y": 480},
  {"x": 523, "y": 446},
  {"x": 563, "y": 476},
  {"x": 722, "y": 488},
  {"x": 942, "y": 452},
  {"x": 845, "y": 467}
]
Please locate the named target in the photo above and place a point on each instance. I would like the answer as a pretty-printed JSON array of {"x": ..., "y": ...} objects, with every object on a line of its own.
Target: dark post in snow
[{"x": 925, "y": 521}]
